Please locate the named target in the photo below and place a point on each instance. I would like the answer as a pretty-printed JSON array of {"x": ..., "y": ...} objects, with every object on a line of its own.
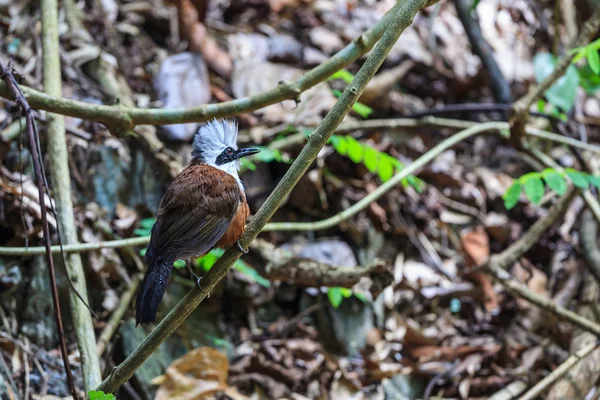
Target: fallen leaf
[
  {"x": 477, "y": 247},
  {"x": 197, "y": 374}
]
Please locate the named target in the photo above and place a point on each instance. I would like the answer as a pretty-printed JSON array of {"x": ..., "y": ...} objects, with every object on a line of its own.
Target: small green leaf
[
  {"x": 141, "y": 232},
  {"x": 593, "y": 59},
  {"x": 208, "y": 260},
  {"x": 340, "y": 144},
  {"x": 247, "y": 164},
  {"x": 362, "y": 109},
  {"x": 555, "y": 181},
  {"x": 594, "y": 180},
  {"x": 562, "y": 93},
  {"x": 534, "y": 188},
  {"x": 143, "y": 252},
  {"x": 511, "y": 197},
  {"x": 179, "y": 264},
  {"x": 268, "y": 155},
  {"x": 386, "y": 168},
  {"x": 474, "y": 5},
  {"x": 100, "y": 395},
  {"x": 147, "y": 223},
  {"x": 343, "y": 75},
  {"x": 578, "y": 178},
  {"x": 371, "y": 159},
  {"x": 355, "y": 149},
  {"x": 541, "y": 105},
  {"x": 335, "y": 296},
  {"x": 361, "y": 297},
  {"x": 251, "y": 273}
]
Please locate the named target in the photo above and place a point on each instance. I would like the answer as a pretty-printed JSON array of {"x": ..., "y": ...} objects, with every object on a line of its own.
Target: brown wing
[{"x": 194, "y": 213}]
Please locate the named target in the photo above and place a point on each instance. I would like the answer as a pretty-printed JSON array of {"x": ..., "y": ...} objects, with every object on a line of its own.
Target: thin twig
[
  {"x": 559, "y": 372},
  {"x": 117, "y": 315},
  {"x": 12, "y": 85},
  {"x": 499, "y": 85},
  {"x": 498, "y": 264},
  {"x": 125, "y": 118},
  {"x": 400, "y": 19},
  {"x": 61, "y": 184}
]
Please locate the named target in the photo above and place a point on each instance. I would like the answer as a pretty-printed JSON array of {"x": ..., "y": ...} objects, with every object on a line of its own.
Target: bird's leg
[
  {"x": 193, "y": 275},
  {"x": 240, "y": 248}
]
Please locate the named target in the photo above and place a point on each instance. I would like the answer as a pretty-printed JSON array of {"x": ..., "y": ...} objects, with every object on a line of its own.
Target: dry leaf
[
  {"x": 197, "y": 374},
  {"x": 477, "y": 247}
]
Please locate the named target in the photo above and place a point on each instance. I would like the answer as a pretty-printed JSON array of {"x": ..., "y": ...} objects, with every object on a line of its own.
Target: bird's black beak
[{"x": 246, "y": 152}]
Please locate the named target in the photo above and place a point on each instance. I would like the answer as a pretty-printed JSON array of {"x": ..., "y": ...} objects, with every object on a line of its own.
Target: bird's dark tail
[{"x": 152, "y": 290}]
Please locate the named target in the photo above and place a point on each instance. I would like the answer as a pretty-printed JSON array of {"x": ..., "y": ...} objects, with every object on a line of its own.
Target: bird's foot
[
  {"x": 193, "y": 275},
  {"x": 240, "y": 248}
]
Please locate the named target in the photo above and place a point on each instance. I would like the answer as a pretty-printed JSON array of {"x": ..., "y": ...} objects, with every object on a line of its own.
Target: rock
[{"x": 182, "y": 82}]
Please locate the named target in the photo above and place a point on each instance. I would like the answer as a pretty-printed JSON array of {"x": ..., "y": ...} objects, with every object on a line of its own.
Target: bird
[{"x": 203, "y": 208}]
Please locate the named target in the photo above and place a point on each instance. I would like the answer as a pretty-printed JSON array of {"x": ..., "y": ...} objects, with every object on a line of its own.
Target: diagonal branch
[
  {"x": 125, "y": 118},
  {"x": 400, "y": 19}
]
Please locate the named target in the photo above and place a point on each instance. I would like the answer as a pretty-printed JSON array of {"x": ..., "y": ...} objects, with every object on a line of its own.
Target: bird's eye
[{"x": 229, "y": 151}]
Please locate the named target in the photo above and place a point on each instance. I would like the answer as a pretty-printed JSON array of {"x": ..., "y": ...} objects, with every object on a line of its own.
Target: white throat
[{"x": 232, "y": 169}]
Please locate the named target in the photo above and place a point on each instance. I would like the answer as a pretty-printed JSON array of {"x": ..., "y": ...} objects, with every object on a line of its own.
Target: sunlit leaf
[
  {"x": 355, "y": 149},
  {"x": 578, "y": 178},
  {"x": 594, "y": 180},
  {"x": 335, "y": 296},
  {"x": 251, "y": 273},
  {"x": 593, "y": 59},
  {"x": 386, "y": 168},
  {"x": 362, "y": 109},
  {"x": 555, "y": 181},
  {"x": 371, "y": 159},
  {"x": 340, "y": 144},
  {"x": 511, "y": 197},
  {"x": 562, "y": 93},
  {"x": 147, "y": 223},
  {"x": 343, "y": 75},
  {"x": 247, "y": 164},
  {"x": 100, "y": 395},
  {"x": 534, "y": 188},
  {"x": 179, "y": 264}
]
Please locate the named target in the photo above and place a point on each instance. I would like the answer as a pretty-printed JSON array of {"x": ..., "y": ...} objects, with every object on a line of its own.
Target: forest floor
[{"x": 432, "y": 312}]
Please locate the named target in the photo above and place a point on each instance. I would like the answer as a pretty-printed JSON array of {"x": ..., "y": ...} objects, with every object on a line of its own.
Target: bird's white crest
[{"x": 210, "y": 141}]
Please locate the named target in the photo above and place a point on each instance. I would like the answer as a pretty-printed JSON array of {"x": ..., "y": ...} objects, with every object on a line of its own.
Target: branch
[
  {"x": 61, "y": 184},
  {"x": 500, "y": 86},
  {"x": 397, "y": 123},
  {"x": 398, "y": 21},
  {"x": 395, "y": 180},
  {"x": 497, "y": 265},
  {"x": 559, "y": 372},
  {"x": 125, "y": 118},
  {"x": 283, "y": 266}
]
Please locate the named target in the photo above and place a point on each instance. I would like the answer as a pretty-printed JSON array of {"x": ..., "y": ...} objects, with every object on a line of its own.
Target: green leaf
[
  {"x": 362, "y": 109},
  {"x": 335, "y": 296},
  {"x": 268, "y": 155},
  {"x": 562, "y": 93},
  {"x": 208, "y": 260},
  {"x": 555, "y": 181},
  {"x": 147, "y": 223},
  {"x": 578, "y": 178},
  {"x": 362, "y": 297},
  {"x": 179, "y": 264},
  {"x": 594, "y": 180},
  {"x": 386, "y": 168},
  {"x": 541, "y": 105},
  {"x": 511, "y": 197},
  {"x": 143, "y": 252},
  {"x": 534, "y": 188},
  {"x": 355, "y": 149},
  {"x": 343, "y": 75},
  {"x": 100, "y": 395},
  {"x": 247, "y": 164},
  {"x": 141, "y": 232},
  {"x": 251, "y": 273},
  {"x": 593, "y": 59},
  {"x": 474, "y": 5},
  {"x": 371, "y": 159},
  {"x": 340, "y": 144}
]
